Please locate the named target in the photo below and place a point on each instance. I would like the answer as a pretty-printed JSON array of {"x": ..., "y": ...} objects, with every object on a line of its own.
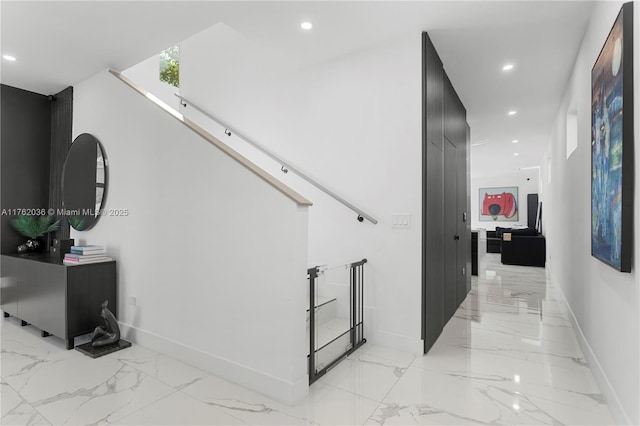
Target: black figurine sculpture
[{"x": 110, "y": 333}]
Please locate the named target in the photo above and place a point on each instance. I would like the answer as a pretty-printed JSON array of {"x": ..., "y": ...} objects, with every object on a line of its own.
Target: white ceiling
[{"x": 63, "y": 43}]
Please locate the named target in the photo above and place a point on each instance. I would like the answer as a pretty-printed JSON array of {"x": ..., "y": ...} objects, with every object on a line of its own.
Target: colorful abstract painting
[
  {"x": 611, "y": 102},
  {"x": 499, "y": 204}
]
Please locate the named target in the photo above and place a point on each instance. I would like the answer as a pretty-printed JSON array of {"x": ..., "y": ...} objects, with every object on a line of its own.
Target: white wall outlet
[
  {"x": 133, "y": 301},
  {"x": 402, "y": 221}
]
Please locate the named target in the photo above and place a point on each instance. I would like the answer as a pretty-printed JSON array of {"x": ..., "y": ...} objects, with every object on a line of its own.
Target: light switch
[{"x": 402, "y": 221}]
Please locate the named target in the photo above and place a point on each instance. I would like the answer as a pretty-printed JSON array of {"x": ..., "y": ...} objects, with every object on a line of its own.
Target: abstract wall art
[
  {"x": 499, "y": 204},
  {"x": 612, "y": 146}
]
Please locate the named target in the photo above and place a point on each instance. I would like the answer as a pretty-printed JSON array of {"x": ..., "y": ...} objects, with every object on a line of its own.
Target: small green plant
[
  {"x": 33, "y": 227},
  {"x": 76, "y": 222}
]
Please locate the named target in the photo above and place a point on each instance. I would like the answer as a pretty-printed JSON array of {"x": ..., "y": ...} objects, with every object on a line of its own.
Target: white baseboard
[
  {"x": 395, "y": 341},
  {"x": 618, "y": 412},
  {"x": 264, "y": 383}
]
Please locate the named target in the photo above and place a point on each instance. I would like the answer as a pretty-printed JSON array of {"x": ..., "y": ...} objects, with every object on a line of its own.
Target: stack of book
[{"x": 81, "y": 255}]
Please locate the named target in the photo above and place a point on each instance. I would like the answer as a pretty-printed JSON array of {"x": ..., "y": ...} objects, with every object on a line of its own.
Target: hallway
[{"x": 509, "y": 356}]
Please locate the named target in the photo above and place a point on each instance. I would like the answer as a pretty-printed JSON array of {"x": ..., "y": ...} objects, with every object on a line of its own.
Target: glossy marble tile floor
[{"x": 509, "y": 356}]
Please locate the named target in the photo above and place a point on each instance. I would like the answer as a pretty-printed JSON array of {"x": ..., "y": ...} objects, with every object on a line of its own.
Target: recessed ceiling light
[
  {"x": 507, "y": 67},
  {"x": 306, "y": 25},
  {"x": 9, "y": 57},
  {"x": 512, "y": 112},
  {"x": 516, "y": 407},
  {"x": 515, "y": 153},
  {"x": 514, "y": 141}
]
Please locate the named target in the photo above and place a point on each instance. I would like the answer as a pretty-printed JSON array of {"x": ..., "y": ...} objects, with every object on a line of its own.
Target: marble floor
[{"x": 509, "y": 356}]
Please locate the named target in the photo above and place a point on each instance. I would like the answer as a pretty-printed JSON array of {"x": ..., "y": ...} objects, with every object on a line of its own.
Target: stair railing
[{"x": 286, "y": 165}]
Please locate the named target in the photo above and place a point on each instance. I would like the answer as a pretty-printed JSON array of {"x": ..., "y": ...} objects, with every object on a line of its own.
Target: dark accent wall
[
  {"x": 446, "y": 233},
  {"x": 24, "y": 157},
  {"x": 61, "y": 123},
  {"x": 433, "y": 195}
]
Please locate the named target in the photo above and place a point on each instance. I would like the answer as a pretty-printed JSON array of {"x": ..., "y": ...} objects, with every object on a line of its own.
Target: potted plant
[{"x": 34, "y": 227}]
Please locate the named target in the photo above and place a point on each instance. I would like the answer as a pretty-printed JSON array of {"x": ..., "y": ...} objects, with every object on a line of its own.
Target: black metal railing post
[
  {"x": 312, "y": 274},
  {"x": 353, "y": 296},
  {"x": 357, "y": 306},
  {"x": 356, "y": 317}
]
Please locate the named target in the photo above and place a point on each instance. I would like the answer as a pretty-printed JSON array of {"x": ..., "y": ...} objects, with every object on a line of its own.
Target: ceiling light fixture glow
[
  {"x": 508, "y": 67},
  {"x": 516, "y": 153},
  {"x": 9, "y": 57},
  {"x": 512, "y": 112},
  {"x": 306, "y": 25},
  {"x": 514, "y": 141}
]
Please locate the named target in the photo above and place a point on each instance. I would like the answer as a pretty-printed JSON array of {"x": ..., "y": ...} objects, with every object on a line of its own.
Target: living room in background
[
  {"x": 499, "y": 203},
  {"x": 612, "y": 146}
]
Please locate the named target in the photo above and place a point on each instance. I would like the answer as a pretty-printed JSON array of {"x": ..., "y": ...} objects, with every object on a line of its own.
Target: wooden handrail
[
  {"x": 286, "y": 165},
  {"x": 275, "y": 183}
]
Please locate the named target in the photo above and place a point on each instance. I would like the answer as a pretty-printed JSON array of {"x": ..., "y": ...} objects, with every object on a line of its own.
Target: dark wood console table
[{"x": 58, "y": 299}]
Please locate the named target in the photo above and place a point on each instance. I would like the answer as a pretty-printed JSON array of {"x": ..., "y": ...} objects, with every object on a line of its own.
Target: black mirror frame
[{"x": 106, "y": 180}]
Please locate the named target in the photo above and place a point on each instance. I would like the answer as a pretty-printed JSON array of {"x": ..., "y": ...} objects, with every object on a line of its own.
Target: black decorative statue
[{"x": 110, "y": 333}]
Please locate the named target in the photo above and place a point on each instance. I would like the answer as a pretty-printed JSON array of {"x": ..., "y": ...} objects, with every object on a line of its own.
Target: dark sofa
[{"x": 523, "y": 247}]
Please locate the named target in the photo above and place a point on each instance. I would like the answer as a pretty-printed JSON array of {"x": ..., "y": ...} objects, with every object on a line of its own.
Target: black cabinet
[
  {"x": 58, "y": 299},
  {"x": 446, "y": 248}
]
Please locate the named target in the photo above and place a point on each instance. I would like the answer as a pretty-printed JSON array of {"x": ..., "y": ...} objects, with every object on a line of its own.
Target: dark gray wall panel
[
  {"x": 432, "y": 205},
  {"x": 463, "y": 267},
  {"x": 61, "y": 127},
  {"x": 446, "y": 233},
  {"x": 450, "y": 229},
  {"x": 433, "y": 87},
  {"x": 433, "y": 272},
  {"x": 24, "y": 157},
  {"x": 455, "y": 131}
]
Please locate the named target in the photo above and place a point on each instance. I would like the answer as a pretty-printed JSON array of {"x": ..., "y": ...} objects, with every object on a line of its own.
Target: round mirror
[{"x": 84, "y": 182}]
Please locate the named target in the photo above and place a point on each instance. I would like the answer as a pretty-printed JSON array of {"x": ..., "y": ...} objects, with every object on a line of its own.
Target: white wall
[
  {"x": 149, "y": 72},
  {"x": 516, "y": 178},
  {"x": 214, "y": 255},
  {"x": 354, "y": 124},
  {"x": 605, "y": 303}
]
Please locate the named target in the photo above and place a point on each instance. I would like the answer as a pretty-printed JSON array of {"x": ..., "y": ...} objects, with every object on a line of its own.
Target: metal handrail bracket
[{"x": 286, "y": 165}]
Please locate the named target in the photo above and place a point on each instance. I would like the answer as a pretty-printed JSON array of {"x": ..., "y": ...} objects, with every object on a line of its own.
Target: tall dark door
[
  {"x": 432, "y": 205},
  {"x": 450, "y": 228},
  {"x": 445, "y": 198},
  {"x": 463, "y": 267},
  {"x": 433, "y": 311}
]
